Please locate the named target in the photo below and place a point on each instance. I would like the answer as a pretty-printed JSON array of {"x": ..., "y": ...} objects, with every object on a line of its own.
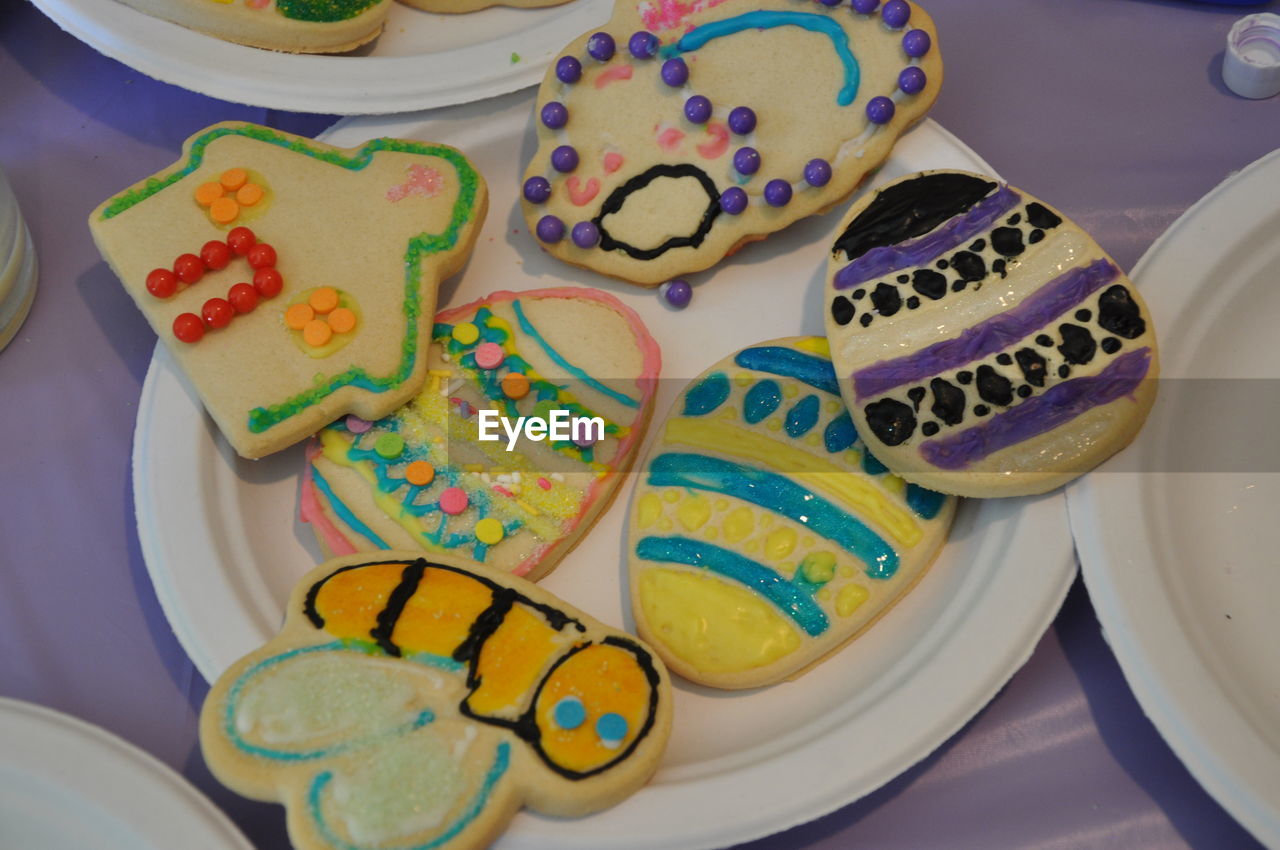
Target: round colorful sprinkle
[
  {"x": 243, "y": 297},
  {"x": 568, "y": 69},
  {"x": 188, "y": 267},
  {"x": 916, "y": 43},
  {"x": 564, "y": 159},
  {"x": 643, "y": 44},
  {"x": 697, "y": 109},
  {"x": 241, "y": 239},
  {"x": 356, "y": 425},
  {"x": 675, "y": 72},
  {"x": 777, "y": 193},
  {"x": 733, "y": 200},
  {"x": 585, "y": 234},
  {"x": 268, "y": 282},
  {"x": 817, "y": 172},
  {"x": 489, "y": 355},
  {"x": 550, "y": 229},
  {"x": 188, "y": 327},
  {"x": 678, "y": 293},
  {"x": 537, "y": 190},
  {"x": 612, "y": 729},
  {"x": 515, "y": 385},
  {"x": 601, "y": 46},
  {"x": 570, "y": 713},
  {"x": 217, "y": 312},
  {"x": 453, "y": 501},
  {"x": 419, "y": 473},
  {"x": 896, "y": 13},
  {"x": 489, "y": 531},
  {"x": 555, "y": 115},
  {"x": 465, "y": 333},
  {"x": 162, "y": 283},
  {"x": 215, "y": 254},
  {"x": 389, "y": 446},
  {"x": 880, "y": 110},
  {"x": 865, "y": 7},
  {"x": 742, "y": 120},
  {"x": 262, "y": 256},
  {"x": 912, "y": 80},
  {"x": 746, "y": 160}
]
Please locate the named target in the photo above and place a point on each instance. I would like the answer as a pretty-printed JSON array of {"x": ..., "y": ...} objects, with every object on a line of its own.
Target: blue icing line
[
  {"x": 802, "y": 417},
  {"x": 840, "y": 433},
  {"x": 924, "y": 502},
  {"x": 872, "y": 465},
  {"x": 780, "y": 495},
  {"x": 233, "y": 698},
  {"x": 501, "y": 761},
  {"x": 706, "y": 395},
  {"x": 817, "y": 372},
  {"x": 559, "y": 360},
  {"x": 761, "y": 400},
  {"x": 344, "y": 513},
  {"x": 763, "y": 19},
  {"x": 787, "y": 597}
]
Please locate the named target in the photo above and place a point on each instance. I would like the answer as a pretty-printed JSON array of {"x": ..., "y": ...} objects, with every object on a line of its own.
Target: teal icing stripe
[
  {"x": 780, "y": 495},
  {"x": 344, "y": 513},
  {"x": 501, "y": 761},
  {"x": 707, "y": 395},
  {"x": 763, "y": 20},
  {"x": 233, "y": 698},
  {"x": 817, "y": 372},
  {"x": 925, "y": 503},
  {"x": 789, "y": 598},
  {"x": 559, "y": 360}
]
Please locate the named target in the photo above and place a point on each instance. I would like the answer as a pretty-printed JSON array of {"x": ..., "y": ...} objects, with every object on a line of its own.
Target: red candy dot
[
  {"x": 268, "y": 282},
  {"x": 453, "y": 501},
  {"x": 217, "y": 312},
  {"x": 240, "y": 240},
  {"x": 215, "y": 255},
  {"x": 189, "y": 268},
  {"x": 243, "y": 297},
  {"x": 188, "y": 327},
  {"x": 162, "y": 283},
  {"x": 262, "y": 256}
]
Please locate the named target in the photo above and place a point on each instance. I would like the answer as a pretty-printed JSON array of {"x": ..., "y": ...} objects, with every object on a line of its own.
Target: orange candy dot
[
  {"x": 316, "y": 333},
  {"x": 419, "y": 473},
  {"x": 208, "y": 193},
  {"x": 515, "y": 385},
  {"x": 224, "y": 210},
  {"x": 233, "y": 178},
  {"x": 298, "y": 315},
  {"x": 342, "y": 320},
  {"x": 323, "y": 299},
  {"x": 249, "y": 194}
]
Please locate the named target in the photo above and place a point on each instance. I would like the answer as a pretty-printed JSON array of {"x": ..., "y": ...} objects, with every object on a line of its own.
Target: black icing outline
[{"x": 618, "y": 197}]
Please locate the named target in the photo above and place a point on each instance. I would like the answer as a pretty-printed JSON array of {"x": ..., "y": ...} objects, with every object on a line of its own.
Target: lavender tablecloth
[{"x": 1113, "y": 109}]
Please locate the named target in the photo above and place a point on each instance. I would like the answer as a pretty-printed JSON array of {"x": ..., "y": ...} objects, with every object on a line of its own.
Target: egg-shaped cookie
[
  {"x": 534, "y": 407},
  {"x": 985, "y": 344},
  {"x": 763, "y": 535}
]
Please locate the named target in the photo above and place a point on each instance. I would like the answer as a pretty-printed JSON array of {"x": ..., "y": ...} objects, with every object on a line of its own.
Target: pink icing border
[{"x": 309, "y": 509}]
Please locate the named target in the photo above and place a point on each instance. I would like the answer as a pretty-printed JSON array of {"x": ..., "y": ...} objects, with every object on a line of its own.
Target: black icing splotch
[
  {"x": 948, "y": 401},
  {"x": 909, "y": 209},
  {"x": 993, "y": 387},
  {"x": 929, "y": 283},
  {"x": 929, "y": 429},
  {"x": 1111, "y": 345},
  {"x": 886, "y": 299},
  {"x": 969, "y": 266},
  {"x": 1119, "y": 313},
  {"x": 1078, "y": 345},
  {"x": 1040, "y": 216},
  {"x": 916, "y": 394},
  {"x": 618, "y": 197},
  {"x": 1007, "y": 241},
  {"x": 1032, "y": 365},
  {"x": 842, "y": 310},
  {"x": 891, "y": 421}
]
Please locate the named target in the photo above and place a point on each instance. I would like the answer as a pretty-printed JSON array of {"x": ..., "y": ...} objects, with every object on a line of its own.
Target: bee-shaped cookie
[{"x": 408, "y": 703}]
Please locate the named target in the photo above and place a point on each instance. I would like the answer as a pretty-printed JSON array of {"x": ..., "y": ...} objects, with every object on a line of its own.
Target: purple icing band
[
  {"x": 951, "y": 234},
  {"x": 1056, "y": 406},
  {"x": 1036, "y": 310}
]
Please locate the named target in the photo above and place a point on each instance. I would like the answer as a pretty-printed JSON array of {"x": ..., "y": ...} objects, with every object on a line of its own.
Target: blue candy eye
[
  {"x": 612, "y": 729},
  {"x": 570, "y": 714}
]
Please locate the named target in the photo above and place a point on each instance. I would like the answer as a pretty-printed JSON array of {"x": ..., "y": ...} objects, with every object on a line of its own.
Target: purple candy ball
[
  {"x": 912, "y": 80},
  {"x": 678, "y": 293},
  {"x": 777, "y": 193},
  {"x": 568, "y": 69},
  {"x": 742, "y": 120},
  {"x": 585, "y": 234},
  {"x": 697, "y": 109},
  {"x": 565, "y": 159},
  {"x": 896, "y": 13},
  {"x": 865, "y": 7},
  {"x": 601, "y": 46},
  {"x": 643, "y": 44},
  {"x": 555, "y": 115},
  {"x": 831, "y": 2},
  {"x": 879, "y": 110},
  {"x": 537, "y": 190},
  {"x": 550, "y": 229},
  {"x": 733, "y": 201},
  {"x": 746, "y": 160},
  {"x": 817, "y": 172},
  {"x": 674, "y": 72},
  {"x": 916, "y": 43}
]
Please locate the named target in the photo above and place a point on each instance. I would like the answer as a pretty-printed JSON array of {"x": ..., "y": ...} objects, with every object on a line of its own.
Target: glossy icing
[{"x": 762, "y": 534}]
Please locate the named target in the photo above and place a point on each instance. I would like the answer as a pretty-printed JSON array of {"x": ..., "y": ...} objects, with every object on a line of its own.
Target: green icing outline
[{"x": 420, "y": 246}]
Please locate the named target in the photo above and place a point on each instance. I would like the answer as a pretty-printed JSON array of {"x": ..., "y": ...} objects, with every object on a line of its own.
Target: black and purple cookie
[{"x": 985, "y": 344}]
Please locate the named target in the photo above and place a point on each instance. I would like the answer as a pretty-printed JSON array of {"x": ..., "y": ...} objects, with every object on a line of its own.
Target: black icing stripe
[
  {"x": 618, "y": 197},
  {"x": 909, "y": 209}
]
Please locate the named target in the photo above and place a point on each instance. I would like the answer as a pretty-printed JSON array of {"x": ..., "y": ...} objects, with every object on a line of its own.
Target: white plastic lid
[{"x": 1251, "y": 66}]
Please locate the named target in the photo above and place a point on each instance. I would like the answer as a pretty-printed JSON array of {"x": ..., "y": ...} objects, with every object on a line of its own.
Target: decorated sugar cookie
[
  {"x": 763, "y": 534},
  {"x": 293, "y": 281},
  {"x": 986, "y": 345},
  {"x": 422, "y": 477},
  {"x": 294, "y": 26},
  {"x": 411, "y": 703},
  {"x": 679, "y": 131}
]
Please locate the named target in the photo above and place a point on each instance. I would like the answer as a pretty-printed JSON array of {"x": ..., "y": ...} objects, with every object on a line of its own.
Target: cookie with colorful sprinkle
[
  {"x": 986, "y": 345},
  {"x": 422, "y": 477},
  {"x": 292, "y": 26},
  {"x": 292, "y": 281},
  {"x": 410, "y": 702},
  {"x": 763, "y": 534},
  {"x": 680, "y": 131}
]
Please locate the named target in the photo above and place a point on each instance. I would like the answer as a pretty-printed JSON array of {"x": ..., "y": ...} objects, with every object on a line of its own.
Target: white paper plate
[
  {"x": 223, "y": 547},
  {"x": 66, "y": 785},
  {"x": 1182, "y": 560},
  {"x": 420, "y": 61}
]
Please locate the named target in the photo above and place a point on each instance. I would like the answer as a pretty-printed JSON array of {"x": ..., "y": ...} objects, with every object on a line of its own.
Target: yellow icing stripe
[
  {"x": 806, "y": 468},
  {"x": 815, "y": 345}
]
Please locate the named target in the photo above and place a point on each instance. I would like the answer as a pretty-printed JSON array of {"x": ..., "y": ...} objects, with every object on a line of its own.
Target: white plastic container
[{"x": 18, "y": 268}]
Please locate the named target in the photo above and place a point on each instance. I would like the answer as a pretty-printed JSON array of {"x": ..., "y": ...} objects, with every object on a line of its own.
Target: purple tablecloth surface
[{"x": 1111, "y": 109}]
